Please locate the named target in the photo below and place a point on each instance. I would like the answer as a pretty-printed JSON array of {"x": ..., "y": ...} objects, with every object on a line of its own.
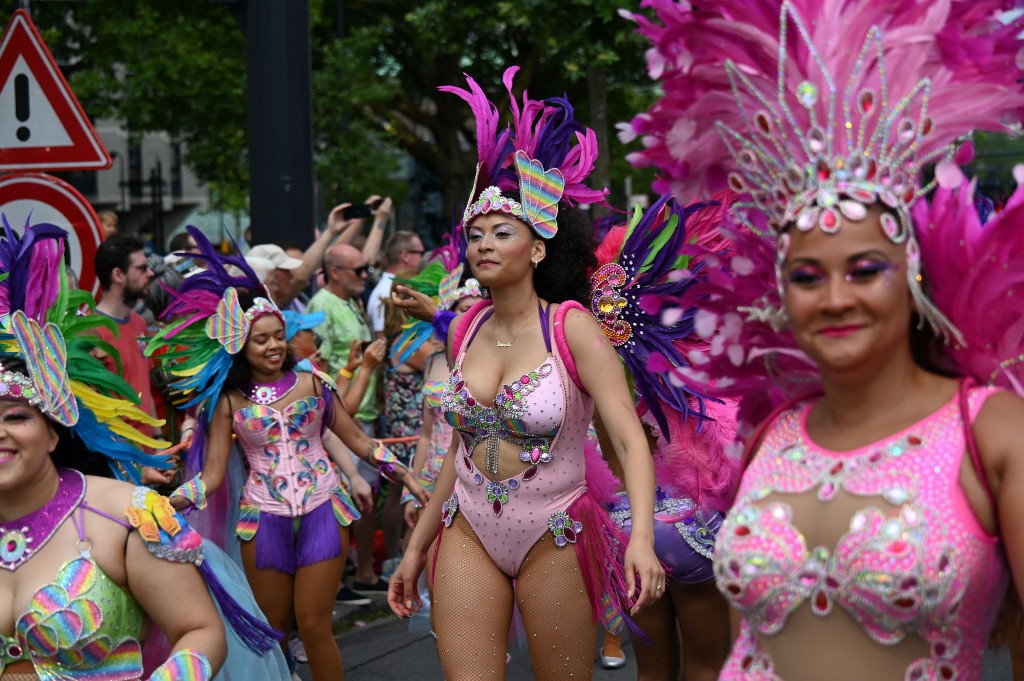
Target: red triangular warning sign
[{"x": 42, "y": 125}]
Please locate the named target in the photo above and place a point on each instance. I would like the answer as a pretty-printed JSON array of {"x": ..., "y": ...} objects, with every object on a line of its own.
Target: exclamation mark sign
[{"x": 21, "y": 106}]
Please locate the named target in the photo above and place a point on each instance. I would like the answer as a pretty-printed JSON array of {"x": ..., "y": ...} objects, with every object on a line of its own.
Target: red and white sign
[
  {"x": 42, "y": 125},
  {"x": 35, "y": 198}
]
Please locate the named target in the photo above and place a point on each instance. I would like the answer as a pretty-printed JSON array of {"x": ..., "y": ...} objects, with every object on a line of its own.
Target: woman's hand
[
  {"x": 361, "y": 494},
  {"x": 403, "y": 593},
  {"x": 374, "y": 354},
  {"x": 415, "y": 304},
  {"x": 411, "y": 513},
  {"x": 355, "y": 356},
  {"x": 415, "y": 488},
  {"x": 643, "y": 566}
]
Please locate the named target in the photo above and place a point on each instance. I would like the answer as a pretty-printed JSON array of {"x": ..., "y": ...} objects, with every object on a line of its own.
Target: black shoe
[
  {"x": 380, "y": 588},
  {"x": 350, "y": 597}
]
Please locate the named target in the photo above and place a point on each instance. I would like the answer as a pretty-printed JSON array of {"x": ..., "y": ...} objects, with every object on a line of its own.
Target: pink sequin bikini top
[
  {"x": 527, "y": 411},
  {"x": 289, "y": 473},
  {"x": 913, "y": 560}
]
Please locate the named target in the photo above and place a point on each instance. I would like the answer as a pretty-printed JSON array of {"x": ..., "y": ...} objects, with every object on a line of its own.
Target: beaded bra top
[
  {"x": 289, "y": 473},
  {"x": 914, "y": 559},
  {"x": 526, "y": 411}
]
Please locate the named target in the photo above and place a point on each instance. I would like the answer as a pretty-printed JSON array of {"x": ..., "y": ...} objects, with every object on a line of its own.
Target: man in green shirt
[{"x": 345, "y": 271}]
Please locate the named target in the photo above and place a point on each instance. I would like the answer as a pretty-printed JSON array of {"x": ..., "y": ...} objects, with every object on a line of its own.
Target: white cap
[
  {"x": 263, "y": 267},
  {"x": 276, "y": 255}
]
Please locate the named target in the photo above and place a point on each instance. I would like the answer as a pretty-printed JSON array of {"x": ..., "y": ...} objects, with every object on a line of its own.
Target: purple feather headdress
[{"x": 536, "y": 158}]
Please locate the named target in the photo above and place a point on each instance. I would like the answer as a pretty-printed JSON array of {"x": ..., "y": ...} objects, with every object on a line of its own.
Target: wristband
[
  {"x": 346, "y": 374},
  {"x": 195, "y": 491},
  {"x": 186, "y": 664},
  {"x": 387, "y": 463}
]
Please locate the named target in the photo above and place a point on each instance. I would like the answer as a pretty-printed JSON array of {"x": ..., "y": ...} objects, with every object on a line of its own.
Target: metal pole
[{"x": 277, "y": 39}]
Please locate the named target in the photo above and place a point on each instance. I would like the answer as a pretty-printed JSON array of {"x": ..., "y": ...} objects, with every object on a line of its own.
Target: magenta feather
[
  {"x": 981, "y": 287},
  {"x": 967, "y": 53}
]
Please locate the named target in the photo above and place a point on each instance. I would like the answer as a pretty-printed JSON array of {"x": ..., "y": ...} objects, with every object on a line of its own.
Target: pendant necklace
[
  {"x": 23, "y": 537},
  {"x": 268, "y": 393},
  {"x": 521, "y": 327}
]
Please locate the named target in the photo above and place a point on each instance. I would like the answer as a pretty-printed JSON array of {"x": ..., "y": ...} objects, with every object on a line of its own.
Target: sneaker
[
  {"x": 297, "y": 650},
  {"x": 612, "y": 656},
  {"x": 349, "y": 597},
  {"x": 378, "y": 589}
]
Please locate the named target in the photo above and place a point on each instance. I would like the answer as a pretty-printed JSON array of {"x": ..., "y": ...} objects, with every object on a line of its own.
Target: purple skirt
[{"x": 286, "y": 543}]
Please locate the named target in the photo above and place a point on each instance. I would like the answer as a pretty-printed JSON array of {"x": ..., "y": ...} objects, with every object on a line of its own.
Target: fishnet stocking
[
  {"x": 556, "y": 613},
  {"x": 472, "y": 607}
]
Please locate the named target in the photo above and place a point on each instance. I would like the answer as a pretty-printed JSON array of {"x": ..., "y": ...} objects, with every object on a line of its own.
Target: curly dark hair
[
  {"x": 240, "y": 373},
  {"x": 564, "y": 273}
]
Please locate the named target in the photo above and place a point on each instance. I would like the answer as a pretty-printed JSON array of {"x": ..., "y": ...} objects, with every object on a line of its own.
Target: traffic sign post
[
  {"x": 42, "y": 125},
  {"x": 35, "y": 198}
]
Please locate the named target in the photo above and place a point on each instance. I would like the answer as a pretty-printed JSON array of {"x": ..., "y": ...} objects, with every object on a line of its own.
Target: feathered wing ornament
[
  {"x": 194, "y": 349},
  {"x": 52, "y": 329},
  {"x": 535, "y": 156},
  {"x": 644, "y": 269},
  {"x": 981, "y": 280}
]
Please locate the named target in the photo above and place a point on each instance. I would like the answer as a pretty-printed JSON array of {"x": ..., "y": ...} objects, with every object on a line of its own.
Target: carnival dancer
[
  {"x": 642, "y": 268},
  {"x": 883, "y": 496},
  {"x": 528, "y": 368},
  {"x": 227, "y": 347},
  {"x": 86, "y": 560}
]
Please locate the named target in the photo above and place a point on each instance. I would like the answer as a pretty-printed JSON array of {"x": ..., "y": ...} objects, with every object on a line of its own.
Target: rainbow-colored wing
[
  {"x": 448, "y": 286},
  {"x": 229, "y": 326},
  {"x": 46, "y": 356},
  {"x": 540, "y": 191}
]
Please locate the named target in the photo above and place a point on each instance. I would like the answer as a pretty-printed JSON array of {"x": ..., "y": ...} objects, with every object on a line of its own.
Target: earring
[{"x": 535, "y": 263}]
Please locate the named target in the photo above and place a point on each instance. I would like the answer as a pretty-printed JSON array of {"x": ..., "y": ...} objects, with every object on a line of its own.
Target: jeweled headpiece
[
  {"x": 231, "y": 324},
  {"x": 51, "y": 329},
  {"x": 534, "y": 157},
  {"x": 810, "y": 137},
  {"x": 470, "y": 288}
]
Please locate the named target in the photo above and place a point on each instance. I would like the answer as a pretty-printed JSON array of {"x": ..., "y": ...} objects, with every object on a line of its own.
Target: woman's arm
[
  {"x": 218, "y": 449},
  {"x": 175, "y": 596},
  {"x": 403, "y": 594},
  {"x": 361, "y": 492},
  {"x": 601, "y": 373}
]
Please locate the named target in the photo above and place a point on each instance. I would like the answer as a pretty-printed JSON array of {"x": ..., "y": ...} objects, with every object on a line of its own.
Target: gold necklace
[{"x": 521, "y": 327}]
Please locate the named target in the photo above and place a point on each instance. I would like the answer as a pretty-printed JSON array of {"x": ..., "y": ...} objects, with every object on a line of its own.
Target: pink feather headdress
[{"x": 535, "y": 157}]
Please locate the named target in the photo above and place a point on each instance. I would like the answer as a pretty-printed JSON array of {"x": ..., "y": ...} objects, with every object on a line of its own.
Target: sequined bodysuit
[
  {"x": 547, "y": 416},
  {"x": 913, "y": 561},
  {"x": 289, "y": 471}
]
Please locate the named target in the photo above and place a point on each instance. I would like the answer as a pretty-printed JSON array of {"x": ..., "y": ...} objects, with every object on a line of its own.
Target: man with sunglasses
[
  {"x": 345, "y": 273},
  {"x": 403, "y": 252}
]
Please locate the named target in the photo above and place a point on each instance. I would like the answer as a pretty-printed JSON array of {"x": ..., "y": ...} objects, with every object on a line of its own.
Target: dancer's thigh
[
  {"x": 274, "y": 591},
  {"x": 556, "y": 613},
  {"x": 472, "y": 607},
  {"x": 658, "y": 658},
  {"x": 703, "y": 618}
]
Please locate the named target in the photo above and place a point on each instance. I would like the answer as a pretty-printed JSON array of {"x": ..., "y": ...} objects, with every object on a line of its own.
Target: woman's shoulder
[{"x": 109, "y": 495}]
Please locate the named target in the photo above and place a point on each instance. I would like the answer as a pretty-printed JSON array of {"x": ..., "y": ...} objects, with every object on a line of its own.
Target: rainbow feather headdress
[
  {"x": 535, "y": 157},
  {"x": 52, "y": 330},
  {"x": 812, "y": 111}
]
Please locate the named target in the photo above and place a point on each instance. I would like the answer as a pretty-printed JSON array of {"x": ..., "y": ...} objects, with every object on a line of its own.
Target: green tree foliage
[{"x": 180, "y": 67}]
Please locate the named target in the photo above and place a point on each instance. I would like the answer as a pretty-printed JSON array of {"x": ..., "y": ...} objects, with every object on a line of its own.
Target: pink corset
[
  {"x": 913, "y": 560},
  {"x": 289, "y": 472}
]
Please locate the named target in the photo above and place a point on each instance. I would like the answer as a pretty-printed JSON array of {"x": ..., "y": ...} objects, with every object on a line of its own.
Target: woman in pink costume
[
  {"x": 528, "y": 369},
  {"x": 880, "y": 511},
  {"x": 294, "y": 512}
]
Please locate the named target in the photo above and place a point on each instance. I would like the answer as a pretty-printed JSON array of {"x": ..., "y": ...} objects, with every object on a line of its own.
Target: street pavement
[
  {"x": 380, "y": 647},
  {"x": 383, "y": 649}
]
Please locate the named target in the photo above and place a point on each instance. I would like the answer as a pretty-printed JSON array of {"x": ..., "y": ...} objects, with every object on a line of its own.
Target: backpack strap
[{"x": 563, "y": 346}]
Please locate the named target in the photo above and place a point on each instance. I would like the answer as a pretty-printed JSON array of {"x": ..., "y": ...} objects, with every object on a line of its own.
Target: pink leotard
[
  {"x": 545, "y": 414},
  {"x": 289, "y": 471},
  {"x": 914, "y": 561}
]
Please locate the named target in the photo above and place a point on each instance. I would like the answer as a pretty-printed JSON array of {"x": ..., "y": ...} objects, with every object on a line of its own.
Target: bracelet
[
  {"x": 195, "y": 491},
  {"x": 187, "y": 663},
  {"x": 346, "y": 374},
  {"x": 387, "y": 463}
]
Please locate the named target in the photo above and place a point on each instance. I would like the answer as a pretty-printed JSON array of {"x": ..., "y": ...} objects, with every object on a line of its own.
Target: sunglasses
[{"x": 358, "y": 271}]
